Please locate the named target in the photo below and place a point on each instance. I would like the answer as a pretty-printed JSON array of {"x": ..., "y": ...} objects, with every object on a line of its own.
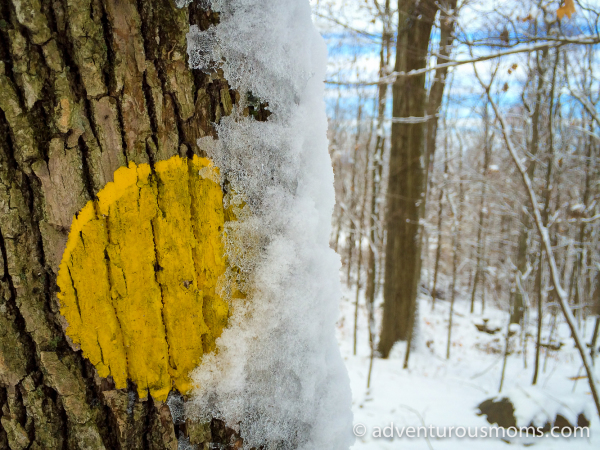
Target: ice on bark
[{"x": 277, "y": 374}]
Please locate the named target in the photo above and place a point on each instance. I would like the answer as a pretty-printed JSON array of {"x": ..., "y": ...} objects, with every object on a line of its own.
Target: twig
[
  {"x": 477, "y": 375},
  {"x": 418, "y": 414}
]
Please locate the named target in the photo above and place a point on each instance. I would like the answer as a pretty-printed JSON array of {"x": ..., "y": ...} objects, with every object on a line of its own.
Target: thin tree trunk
[
  {"x": 456, "y": 246},
  {"x": 338, "y": 225},
  {"x": 338, "y": 173},
  {"x": 594, "y": 341},
  {"x": 357, "y": 295},
  {"x": 545, "y": 215},
  {"x": 540, "y": 296},
  {"x": 434, "y": 104},
  {"x": 438, "y": 251},
  {"x": 522, "y": 256},
  {"x": 375, "y": 238},
  {"x": 596, "y": 312},
  {"x": 360, "y": 233},
  {"x": 505, "y": 354},
  {"x": 353, "y": 196},
  {"x": 479, "y": 247},
  {"x": 578, "y": 268},
  {"x": 505, "y": 236},
  {"x": 550, "y": 338},
  {"x": 438, "y": 85}
]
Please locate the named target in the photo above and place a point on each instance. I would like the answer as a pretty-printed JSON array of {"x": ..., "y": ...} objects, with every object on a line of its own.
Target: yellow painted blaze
[{"x": 138, "y": 277}]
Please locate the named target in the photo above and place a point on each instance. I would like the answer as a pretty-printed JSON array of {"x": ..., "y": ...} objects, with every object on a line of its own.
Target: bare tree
[{"x": 406, "y": 189}]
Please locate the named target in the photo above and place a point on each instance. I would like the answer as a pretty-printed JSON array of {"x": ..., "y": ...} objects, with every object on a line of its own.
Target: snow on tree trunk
[{"x": 277, "y": 373}]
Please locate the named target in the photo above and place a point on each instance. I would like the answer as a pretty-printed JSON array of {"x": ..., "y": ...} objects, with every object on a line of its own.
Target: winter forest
[{"x": 464, "y": 139}]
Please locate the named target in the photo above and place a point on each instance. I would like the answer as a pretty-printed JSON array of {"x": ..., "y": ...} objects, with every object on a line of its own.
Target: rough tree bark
[{"x": 86, "y": 86}]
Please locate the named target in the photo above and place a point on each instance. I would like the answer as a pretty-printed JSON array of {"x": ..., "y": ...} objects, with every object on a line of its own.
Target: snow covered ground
[{"x": 441, "y": 393}]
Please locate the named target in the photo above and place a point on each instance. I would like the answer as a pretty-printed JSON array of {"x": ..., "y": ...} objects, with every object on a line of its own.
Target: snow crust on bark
[{"x": 277, "y": 375}]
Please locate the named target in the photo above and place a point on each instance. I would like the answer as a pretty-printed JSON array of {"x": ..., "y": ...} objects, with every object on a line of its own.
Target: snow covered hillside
[{"x": 441, "y": 393}]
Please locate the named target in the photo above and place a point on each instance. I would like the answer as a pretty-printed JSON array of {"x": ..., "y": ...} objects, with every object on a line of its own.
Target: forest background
[{"x": 464, "y": 138}]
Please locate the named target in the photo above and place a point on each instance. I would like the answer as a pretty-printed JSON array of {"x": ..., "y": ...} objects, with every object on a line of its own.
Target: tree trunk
[
  {"x": 480, "y": 247},
  {"x": 86, "y": 87},
  {"x": 361, "y": 221},
  {"x": 457, "y": 212},
  {"x": 352, "y": 215},
  {"x": 438, "y": 251},
  {"x": 523, "y": 248},
  {"x": 375, "y": 234},
  {"x": 406, "y": 190},
  {"x": 438, "y": 86},
  {"x": 547, "y": 194}
]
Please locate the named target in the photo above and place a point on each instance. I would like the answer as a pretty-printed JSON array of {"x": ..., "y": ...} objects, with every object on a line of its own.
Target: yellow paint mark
[{"x": 138, "y": 277}]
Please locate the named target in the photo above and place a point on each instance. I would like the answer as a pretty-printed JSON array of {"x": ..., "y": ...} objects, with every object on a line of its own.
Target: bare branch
[
  {"x": 591, "y": 110},
  {"x": 547, "y": 44}
]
